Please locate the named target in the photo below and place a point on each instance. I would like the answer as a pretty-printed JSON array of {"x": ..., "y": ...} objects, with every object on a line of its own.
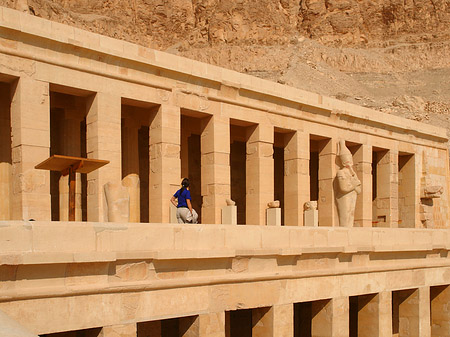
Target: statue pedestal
[
  {"x": 311, "y": 218},
  {"x": 173, "y": 214},
  {"x": 229, "y": 215},
  {"x": 273, "y": 216}
]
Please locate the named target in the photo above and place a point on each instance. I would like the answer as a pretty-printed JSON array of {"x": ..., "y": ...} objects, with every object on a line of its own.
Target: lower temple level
[{"x": 127, "y": 280}]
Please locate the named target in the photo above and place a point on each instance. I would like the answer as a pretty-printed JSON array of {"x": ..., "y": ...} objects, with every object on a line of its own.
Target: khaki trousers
[{"x": 184, "y": 215}]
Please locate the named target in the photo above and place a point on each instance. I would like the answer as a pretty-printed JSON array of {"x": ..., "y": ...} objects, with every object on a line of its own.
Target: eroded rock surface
[{"x": 389, "y": 55}]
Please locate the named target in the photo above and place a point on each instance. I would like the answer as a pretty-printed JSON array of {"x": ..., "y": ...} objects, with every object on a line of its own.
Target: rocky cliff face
[
  {"x": 372, "y": 22},
  {"x": 163, "y": 23},
  {"x": 391, "y": 55}
]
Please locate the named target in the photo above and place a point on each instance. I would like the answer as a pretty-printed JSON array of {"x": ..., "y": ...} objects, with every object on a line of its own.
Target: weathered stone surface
[
  {"x": 118, "y": 201},
  {"x": 11, "y": 328}
]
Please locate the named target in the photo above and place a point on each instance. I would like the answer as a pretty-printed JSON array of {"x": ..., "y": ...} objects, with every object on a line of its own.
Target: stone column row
[
  {"x": 398, "y": 313},
  {"x": 215, "y": 170},
  {"x": 276, "y": 321},
  {"x": 205, "y": 325},
  {"x": 415, "y": 313},
  {"x": 402, "y": 313},
  {"x": 384, "y": 208},
  {"x": 30, "y": 144},
  {"x": 27, "y": 191}
]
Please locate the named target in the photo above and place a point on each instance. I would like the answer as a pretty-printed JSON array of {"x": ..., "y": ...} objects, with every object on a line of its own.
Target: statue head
[
  {"x": 345, "y": 155},
  {"x": 310, "y": 205}
]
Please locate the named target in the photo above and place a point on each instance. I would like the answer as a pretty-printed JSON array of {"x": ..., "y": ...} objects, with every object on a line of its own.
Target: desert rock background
[{"x": 389, "y": 55}]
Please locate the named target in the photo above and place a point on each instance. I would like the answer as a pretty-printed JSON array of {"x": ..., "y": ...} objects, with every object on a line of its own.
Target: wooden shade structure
[{"x": 69, "y": 166}]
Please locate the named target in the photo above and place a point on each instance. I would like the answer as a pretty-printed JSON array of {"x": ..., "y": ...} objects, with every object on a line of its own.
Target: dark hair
[{"x": 184, "y": 184}]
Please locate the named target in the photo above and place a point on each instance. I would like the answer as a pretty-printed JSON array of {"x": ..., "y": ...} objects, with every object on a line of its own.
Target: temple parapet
[{"x": 48, "y": 265}]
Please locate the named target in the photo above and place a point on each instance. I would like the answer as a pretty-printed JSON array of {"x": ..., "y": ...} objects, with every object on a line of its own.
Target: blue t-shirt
[{"x": 182, "y": 197}]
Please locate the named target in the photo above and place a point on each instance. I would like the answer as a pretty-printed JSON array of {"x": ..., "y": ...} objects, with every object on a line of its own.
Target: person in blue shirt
[{"x": 182, "y": 201}]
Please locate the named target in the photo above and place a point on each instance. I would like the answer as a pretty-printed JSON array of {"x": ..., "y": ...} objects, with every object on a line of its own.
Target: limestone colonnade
[
  {"x": 151, "y": 146},
  {"x": 411, "y": 312}
]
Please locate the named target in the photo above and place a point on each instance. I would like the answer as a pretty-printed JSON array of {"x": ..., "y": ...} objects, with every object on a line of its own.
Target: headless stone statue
[
  {"x": 348, "y": 187},
  {"x": 118, "y": 201}
]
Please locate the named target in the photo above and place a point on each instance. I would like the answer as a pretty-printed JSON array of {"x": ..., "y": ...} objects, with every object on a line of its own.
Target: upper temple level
[{"x": 157, "y": 118}]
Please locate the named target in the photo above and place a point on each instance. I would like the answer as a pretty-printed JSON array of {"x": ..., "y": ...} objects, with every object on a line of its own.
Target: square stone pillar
[
  {"x": 330, "y": 318},
  {"x": 363, "y": 167},
  {"x": 327, "y": 174},
  {"x": 205, "y": 325},
  {"x": 229, "y": 215},
  {"x": 126, "y": 330},
  {"x": 387, "y": 188},
  {"x": 260, "y": 173},
  {"x": 374, "y": 315},
  {"x": 296, "y": 178},
  {"x": 440, "y": 311},
  {"x": 311, "y": 218},
  {"x": 385, "y": 314},
  {"x": 30, "y": 124},
  {"x": 103, "y": 141},
  {"x": 212, "y": 324},
  {"x": 165, "y": 166},
  {"x": 276, "y": 321},
  {"x": 273, "y": 216},
  {"x": 424, "y": 312},
  {"x": 215, "y": 167}
]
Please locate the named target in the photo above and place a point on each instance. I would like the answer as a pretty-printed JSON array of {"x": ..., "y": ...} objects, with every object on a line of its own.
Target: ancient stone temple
[{"x": 318, "y": 217}]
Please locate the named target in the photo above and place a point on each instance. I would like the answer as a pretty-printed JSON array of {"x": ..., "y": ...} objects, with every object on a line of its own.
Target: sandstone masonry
[{"x": 124, "y": 269}]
